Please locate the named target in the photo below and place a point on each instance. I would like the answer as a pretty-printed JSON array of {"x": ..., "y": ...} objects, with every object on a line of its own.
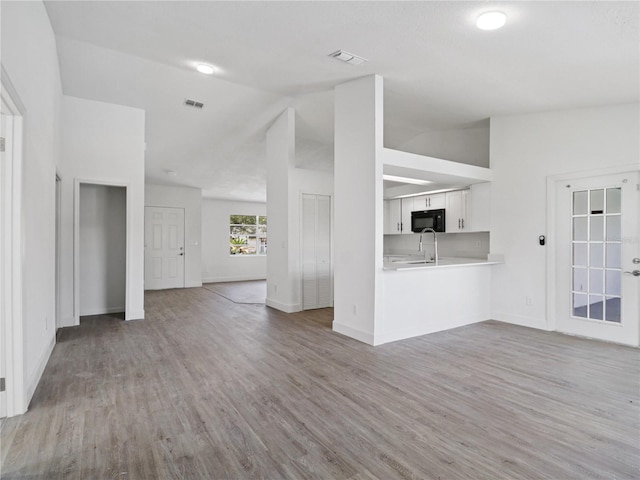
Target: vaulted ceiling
[{"x": 440, "y": 71}]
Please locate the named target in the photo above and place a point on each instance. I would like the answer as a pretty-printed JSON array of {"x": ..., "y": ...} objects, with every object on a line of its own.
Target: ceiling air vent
[
  {"x": 193, "y": 103},
  {"x": 347, "y": 57}
]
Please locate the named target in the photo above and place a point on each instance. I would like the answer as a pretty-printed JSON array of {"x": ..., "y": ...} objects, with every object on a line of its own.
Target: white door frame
[
  {"x": 551, "y": 228},
  {"x": 76, "y": 240},
  {"x": 11, "y": 217}
]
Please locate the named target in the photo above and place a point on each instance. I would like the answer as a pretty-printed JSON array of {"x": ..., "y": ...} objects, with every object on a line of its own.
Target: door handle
[
  {"x": 635, "y": 273},
  {"x": 181, "y": 253}
]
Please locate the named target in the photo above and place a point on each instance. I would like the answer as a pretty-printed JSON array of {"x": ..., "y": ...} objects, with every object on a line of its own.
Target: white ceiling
[{"x": 440, "y": 71}]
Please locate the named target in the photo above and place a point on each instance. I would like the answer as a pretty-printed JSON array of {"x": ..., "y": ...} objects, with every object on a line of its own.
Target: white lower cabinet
[
  {"x": 457, "y": 211},
  {"x": 316, "y": 252}
]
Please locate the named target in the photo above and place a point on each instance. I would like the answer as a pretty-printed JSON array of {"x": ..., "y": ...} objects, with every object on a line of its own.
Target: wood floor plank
[{"x": 212, "y": 389}]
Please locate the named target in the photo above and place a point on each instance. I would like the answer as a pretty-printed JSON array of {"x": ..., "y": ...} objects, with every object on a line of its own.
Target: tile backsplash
[{"x": 472, "y": 245}]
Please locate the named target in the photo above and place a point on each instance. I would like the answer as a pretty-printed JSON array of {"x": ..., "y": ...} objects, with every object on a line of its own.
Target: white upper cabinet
[
  {"x": 392, "y": 216},
  {"x": 429, "y": 202},
  {"x": 456, "y": 211},
  {"x": 397, "y": 216},
  {"x": 407, "y": 208}
]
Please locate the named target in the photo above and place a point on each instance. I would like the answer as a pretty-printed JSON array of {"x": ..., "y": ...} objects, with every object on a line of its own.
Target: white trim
[
  {"x": 395, "y": 335},
  {"x": 134, "y": 315},
  {"x": 37, "y": 374},
  {"x": 552, "y": 180},
  {"x": 13, "y": 346},
  {"x": 104, "y": 311},
  {"x": 240, "y": 278},
  {"x": 351, "y": 332},
  {"x": 522, "y": 320},
  {"x": 283, "y": 307},
  {"x": 76, "y": 243},
  {"x": 192, "y": 284}
]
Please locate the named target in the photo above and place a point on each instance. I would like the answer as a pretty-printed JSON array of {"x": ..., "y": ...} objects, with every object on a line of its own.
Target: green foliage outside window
[{"x": 248, "y": 235}]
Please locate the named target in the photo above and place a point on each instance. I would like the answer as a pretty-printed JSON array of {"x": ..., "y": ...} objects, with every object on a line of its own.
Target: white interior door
[
  {"x": 164, "y": 248},
  {"x": 598, "y": 257},
  {"x": 316, "y": 252}
]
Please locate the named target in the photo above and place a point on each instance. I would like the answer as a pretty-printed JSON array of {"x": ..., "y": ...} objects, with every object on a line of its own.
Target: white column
[
  {"x": 282, "y": 290},
  {"x": 358, "y": 224}
]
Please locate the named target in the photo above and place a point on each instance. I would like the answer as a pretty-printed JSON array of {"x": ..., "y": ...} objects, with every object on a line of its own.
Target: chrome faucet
[{"x": 435, "y": 245}]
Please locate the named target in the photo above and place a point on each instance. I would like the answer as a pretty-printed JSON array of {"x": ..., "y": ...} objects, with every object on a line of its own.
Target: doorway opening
[
  {"x": 101, "y": 241},
  {"x": 102, "y": 249}
]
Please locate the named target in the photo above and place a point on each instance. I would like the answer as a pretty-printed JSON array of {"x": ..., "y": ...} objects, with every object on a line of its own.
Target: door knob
[
  {"x": 636, "y": 261},
  {"x": 635, "y": 273},
  {"x": 181, "y": 253}
]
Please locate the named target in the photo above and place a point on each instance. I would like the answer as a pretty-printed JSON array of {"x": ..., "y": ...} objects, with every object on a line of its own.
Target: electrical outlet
[
  {"x": 478, "y": 245},
  {"x": 528, "y": 301},
  {"x": 355, "y": 309}
]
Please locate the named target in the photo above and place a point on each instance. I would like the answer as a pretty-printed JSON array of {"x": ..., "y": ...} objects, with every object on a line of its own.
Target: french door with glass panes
[{"x": 598, "y": 257}]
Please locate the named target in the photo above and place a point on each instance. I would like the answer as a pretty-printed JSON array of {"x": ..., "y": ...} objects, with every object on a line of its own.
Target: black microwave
[{"x": 427, "y": 219}]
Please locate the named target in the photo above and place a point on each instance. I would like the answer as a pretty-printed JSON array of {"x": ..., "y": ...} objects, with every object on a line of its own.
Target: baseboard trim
[
  {"x": 192, "y": 284},
  {"x": 37, "y": 374},
  {"x": 66, "y": 322},
  {"x": 139, "y": 315},
  {"x": 283, "y": 307},
  {"x": 103, "y": 311},
  {"x": 523, "y": 321},
  {"x": 354, "y": 333},
  {"x": 394, "y": 336},
  {"x": 243, "y": 278}
]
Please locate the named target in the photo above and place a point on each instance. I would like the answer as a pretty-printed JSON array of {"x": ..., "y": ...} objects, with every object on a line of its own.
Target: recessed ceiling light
[
  {"x": 491, "y": 20},
  {"x": 206, "y": 69},
  {"x": 415, "y": 181}
]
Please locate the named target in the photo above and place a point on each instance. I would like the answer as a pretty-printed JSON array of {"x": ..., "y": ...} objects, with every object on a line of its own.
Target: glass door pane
[{"x": 595, "y": 246}]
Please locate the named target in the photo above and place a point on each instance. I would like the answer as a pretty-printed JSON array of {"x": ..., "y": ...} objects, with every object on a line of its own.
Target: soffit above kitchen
[{"x": 440, "y": 71}]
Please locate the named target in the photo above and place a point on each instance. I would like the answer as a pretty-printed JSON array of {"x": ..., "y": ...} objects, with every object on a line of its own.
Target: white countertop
[{"x": 404, "y": 262}]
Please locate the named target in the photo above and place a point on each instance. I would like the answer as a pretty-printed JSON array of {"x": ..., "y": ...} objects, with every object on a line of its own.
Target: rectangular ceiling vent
[
  {"x": 193, "y": 103},
  {"x": 347, "y": 57}
]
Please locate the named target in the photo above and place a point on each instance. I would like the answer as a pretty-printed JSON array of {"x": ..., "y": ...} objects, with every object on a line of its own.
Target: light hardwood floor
[{"x": 208, "y": 389}]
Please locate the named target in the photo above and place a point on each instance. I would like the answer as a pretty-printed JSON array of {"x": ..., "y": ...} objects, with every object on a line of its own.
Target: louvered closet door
[{"x": 316, "y": 251}]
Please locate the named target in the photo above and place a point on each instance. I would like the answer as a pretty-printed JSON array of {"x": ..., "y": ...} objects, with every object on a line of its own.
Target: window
[{"x": 247, "y": 235}]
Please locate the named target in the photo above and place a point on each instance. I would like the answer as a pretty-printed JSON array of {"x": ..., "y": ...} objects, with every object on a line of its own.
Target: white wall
[
  {"x": 281, "y": 290},
  {"x": 217, "y": 264},
  {"x": 190, "y": 199},
  {"x": 525, "y": 149},
  {"x": 103, "y": 249},
  {"x": 468, "y": 145},
  {"x": 285, "y": 186},
  {"x": 358, "y": 221},
  {"x": 104, "y": 144},
  {"x": 30, "y": 60}
]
